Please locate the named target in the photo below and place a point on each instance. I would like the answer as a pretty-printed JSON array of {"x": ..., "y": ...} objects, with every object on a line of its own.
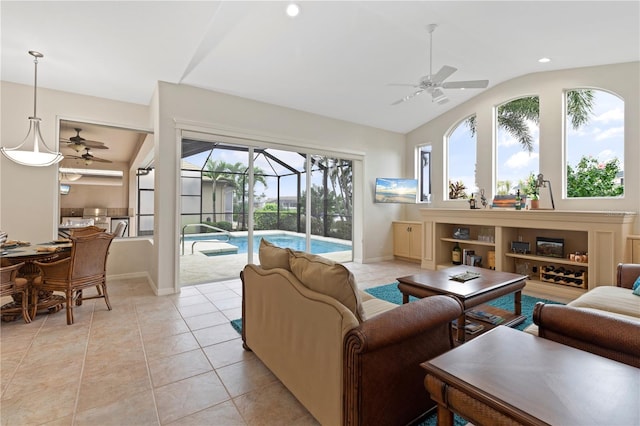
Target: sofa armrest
[
  {"x": 591, "y": 331},
  {"x": 383, "y": 381},
  {"x": 627, "y": 274}
]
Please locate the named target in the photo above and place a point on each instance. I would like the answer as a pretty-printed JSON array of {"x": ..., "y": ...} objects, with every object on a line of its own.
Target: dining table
[{"x": 12, "y": 252}]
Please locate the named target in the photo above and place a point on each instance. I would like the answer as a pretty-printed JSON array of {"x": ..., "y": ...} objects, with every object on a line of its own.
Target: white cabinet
[{"x": 407, "y": 240}]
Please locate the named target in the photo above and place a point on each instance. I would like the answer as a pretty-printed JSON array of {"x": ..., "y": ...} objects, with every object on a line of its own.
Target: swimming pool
[{"x": 293, "y": 242}]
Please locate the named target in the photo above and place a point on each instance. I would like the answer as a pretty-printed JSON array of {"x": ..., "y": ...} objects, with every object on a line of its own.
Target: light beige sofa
[{"x": 348, "y": 357}]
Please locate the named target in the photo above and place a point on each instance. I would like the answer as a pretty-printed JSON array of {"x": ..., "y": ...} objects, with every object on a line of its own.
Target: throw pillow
[
  {"x": 636, "y": 287},
  {"x": 329, "y": 278},
  {"x": 272, "y": 256}
]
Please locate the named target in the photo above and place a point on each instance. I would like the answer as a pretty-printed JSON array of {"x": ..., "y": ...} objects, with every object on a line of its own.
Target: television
[
  {"x": 396, "y": 190},
  {"x": 64, "y": 189}
]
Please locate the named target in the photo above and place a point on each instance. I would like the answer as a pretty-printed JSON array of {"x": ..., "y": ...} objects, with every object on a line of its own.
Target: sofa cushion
[
  {"x": 272, "y": 256},
  {"x": 609, "y": 298},
  {"x": 329, "y": 278}
]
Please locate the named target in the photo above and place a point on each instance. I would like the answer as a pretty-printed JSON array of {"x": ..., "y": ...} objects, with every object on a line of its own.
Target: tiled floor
[{"x": 151, "y": 360}]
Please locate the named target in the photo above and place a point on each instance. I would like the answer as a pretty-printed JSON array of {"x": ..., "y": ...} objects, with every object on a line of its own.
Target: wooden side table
[{"x": 507, "y": 376}]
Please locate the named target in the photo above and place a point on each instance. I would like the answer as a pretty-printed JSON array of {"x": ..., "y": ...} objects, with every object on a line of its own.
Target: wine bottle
[
  {"x": 518, "y": 200},
  {"x": 456, "y": 255}
]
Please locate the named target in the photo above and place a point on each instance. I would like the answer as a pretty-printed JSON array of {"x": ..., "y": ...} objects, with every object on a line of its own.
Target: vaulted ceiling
[{"x": 335, "y": 58}]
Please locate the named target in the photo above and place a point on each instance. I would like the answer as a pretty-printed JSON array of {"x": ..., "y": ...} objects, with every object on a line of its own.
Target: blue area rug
[{"x": 391, "y": 293}]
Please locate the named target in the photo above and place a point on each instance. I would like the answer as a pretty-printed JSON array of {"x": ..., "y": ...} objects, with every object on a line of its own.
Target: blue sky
[{"x": 602, "y": 138}]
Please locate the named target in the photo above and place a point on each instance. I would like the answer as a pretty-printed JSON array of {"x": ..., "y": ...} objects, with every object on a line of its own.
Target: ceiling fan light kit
[
  {"x": 434, "y": 83},
  {"x": 40, "y": 154}
]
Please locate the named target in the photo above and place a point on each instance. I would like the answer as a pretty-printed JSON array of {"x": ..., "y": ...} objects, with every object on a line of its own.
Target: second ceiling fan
[
  {"x": 434, "y": 83},
  {"x": 88, "y": 158}
]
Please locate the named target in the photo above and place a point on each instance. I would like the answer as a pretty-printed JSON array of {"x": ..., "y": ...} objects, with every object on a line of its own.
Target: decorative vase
[{"x": 535, "y": 204}]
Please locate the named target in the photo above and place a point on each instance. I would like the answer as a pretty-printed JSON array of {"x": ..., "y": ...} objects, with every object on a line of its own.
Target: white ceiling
[{"x": 335, "y": 59}]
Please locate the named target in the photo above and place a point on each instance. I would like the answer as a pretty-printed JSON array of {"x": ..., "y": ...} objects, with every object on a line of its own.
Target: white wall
[
  {"x": 622, "y": 79},
  {"x": 215, "y": 112},
  {"x": 29, "y": 195}
]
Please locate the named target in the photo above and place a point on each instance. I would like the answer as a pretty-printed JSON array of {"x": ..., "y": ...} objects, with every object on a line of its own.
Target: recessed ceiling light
[
  {"x": 544, "y": 60},
  {"x": 293, "y": 10}
]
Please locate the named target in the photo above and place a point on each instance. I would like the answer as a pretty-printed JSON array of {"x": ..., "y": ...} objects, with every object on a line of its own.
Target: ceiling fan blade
[
  {"x": 406, "y": 98},
  {"x": 471, "y": 84},
  {"x": 438, "y": 96},
  {"x": 443, "y": 74},
  {"x": 100, "y": 160},
  {"x": 95, "y": 145},
  {"x": 403, "y": 84}
]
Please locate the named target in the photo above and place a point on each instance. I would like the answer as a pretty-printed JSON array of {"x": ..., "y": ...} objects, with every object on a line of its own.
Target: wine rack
[{"x": 562, "y": 276}]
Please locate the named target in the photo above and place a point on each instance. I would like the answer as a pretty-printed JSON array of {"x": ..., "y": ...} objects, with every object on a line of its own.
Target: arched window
[
  {"x": 594, "y": 144},
  {"x": 461, "y": 160},
  {"x": 517, "y": 144}
]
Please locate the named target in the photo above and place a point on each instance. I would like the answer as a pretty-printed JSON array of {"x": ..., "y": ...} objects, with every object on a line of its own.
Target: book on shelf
[
  {"x": 485, "y": 316},
  {"x": 466, "y": 256},
  {"x": 470, "y": 327}
]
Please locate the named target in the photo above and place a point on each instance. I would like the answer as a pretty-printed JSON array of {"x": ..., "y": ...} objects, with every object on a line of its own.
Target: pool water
[{"x": 281, "y": 240}]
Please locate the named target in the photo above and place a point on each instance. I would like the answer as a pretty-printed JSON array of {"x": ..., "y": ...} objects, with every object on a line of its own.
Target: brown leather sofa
[
  {"x": 592, "y": 328},
  {"x": 357, "y": 365}
]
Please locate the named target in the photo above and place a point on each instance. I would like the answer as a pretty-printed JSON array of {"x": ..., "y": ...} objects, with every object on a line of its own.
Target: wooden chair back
[
  {"x": 87, "y": 230},
  {"x": 89, "y": 256},
  {"x": 8, "y": 279}
]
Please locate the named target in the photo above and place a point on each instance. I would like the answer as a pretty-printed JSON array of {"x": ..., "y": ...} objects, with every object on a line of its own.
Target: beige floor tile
[
  {"x": 168, "y": 327},
  {"x": 195, "y": 299},
  {"x": 188, "y": 396},
  {"x": 38, "y": 406},
  {"x": 100, "y": 387},
  {"x": 225, "y": 304},
  {"x": 177, "y": 367},
  {"x": 59, "y": 372},
  {"x": 216, "y": 334},
  {"x": 8, "y": 366},
  {"x": 170, "y": 345},
  {"x": 138, "y": 410},
  {"x": 271, "y": 405},
  {"x": 224, "y": 414},
  {"x": 206, "y": 320},
  {"x": 199, "y": 309},
  {"x": 227, "y": 353},
  {"x": 243, "y": 377},
  {"x": 220, "y": 293}
]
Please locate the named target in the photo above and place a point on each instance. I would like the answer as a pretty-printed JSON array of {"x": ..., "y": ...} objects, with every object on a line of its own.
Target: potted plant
[{"x": 531, "y": 189}]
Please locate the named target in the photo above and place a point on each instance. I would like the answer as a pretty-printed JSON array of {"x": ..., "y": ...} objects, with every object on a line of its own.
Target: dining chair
[
  {"x": 87, "y": 230},
  {"x": 11, "y": 285},
  {"x": 84, "y": 268},
  {"x": 120, "y": 228}
]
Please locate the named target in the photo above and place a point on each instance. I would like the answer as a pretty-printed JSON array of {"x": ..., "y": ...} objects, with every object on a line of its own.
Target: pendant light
[{"x": 40, "y": 155}]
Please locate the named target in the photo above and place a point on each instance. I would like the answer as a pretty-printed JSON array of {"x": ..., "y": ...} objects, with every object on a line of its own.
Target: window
[
  {"x": 517, "y": 144},
  {"x": 424, "y": 172},
  {"x": 461, "y": 162},
  {"x": 594, "y": 144}
]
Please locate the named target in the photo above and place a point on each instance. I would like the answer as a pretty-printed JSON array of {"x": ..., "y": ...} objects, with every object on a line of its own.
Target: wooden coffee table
[
  {"x": 507, "y": 376},
  {"x": 473, "y": 293}
]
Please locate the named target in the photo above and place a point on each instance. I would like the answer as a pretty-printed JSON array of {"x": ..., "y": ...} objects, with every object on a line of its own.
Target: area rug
[{"x": 391, "y": 293}]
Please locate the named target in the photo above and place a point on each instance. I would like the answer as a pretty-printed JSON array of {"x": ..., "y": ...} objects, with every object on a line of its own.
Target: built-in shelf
[
  {"x": 547, "y": 259},
  {"x": 474, "y": 242},
  {"x": 601, "y": 234}
]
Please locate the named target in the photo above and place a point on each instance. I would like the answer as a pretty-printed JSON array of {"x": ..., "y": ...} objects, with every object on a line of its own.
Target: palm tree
[
  {"x": 513, "y": 116},
  {"x": 232, "y": 174}
]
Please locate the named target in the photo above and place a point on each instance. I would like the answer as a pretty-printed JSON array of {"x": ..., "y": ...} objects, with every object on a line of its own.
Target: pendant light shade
[{"x": 33, "y": 151}]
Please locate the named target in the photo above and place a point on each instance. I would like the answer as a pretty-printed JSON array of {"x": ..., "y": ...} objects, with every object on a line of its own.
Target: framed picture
[
  {"x": 461, "y": 233},
  {"x": 521, "y": 247},
  {"x": 550, "y": 247}
]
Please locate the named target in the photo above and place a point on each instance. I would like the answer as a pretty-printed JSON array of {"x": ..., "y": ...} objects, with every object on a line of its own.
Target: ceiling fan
[
  {"x": 434, "y": 83},
  {"x": 78, "y": 143},
  {"x": 88, "y": 157}
]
